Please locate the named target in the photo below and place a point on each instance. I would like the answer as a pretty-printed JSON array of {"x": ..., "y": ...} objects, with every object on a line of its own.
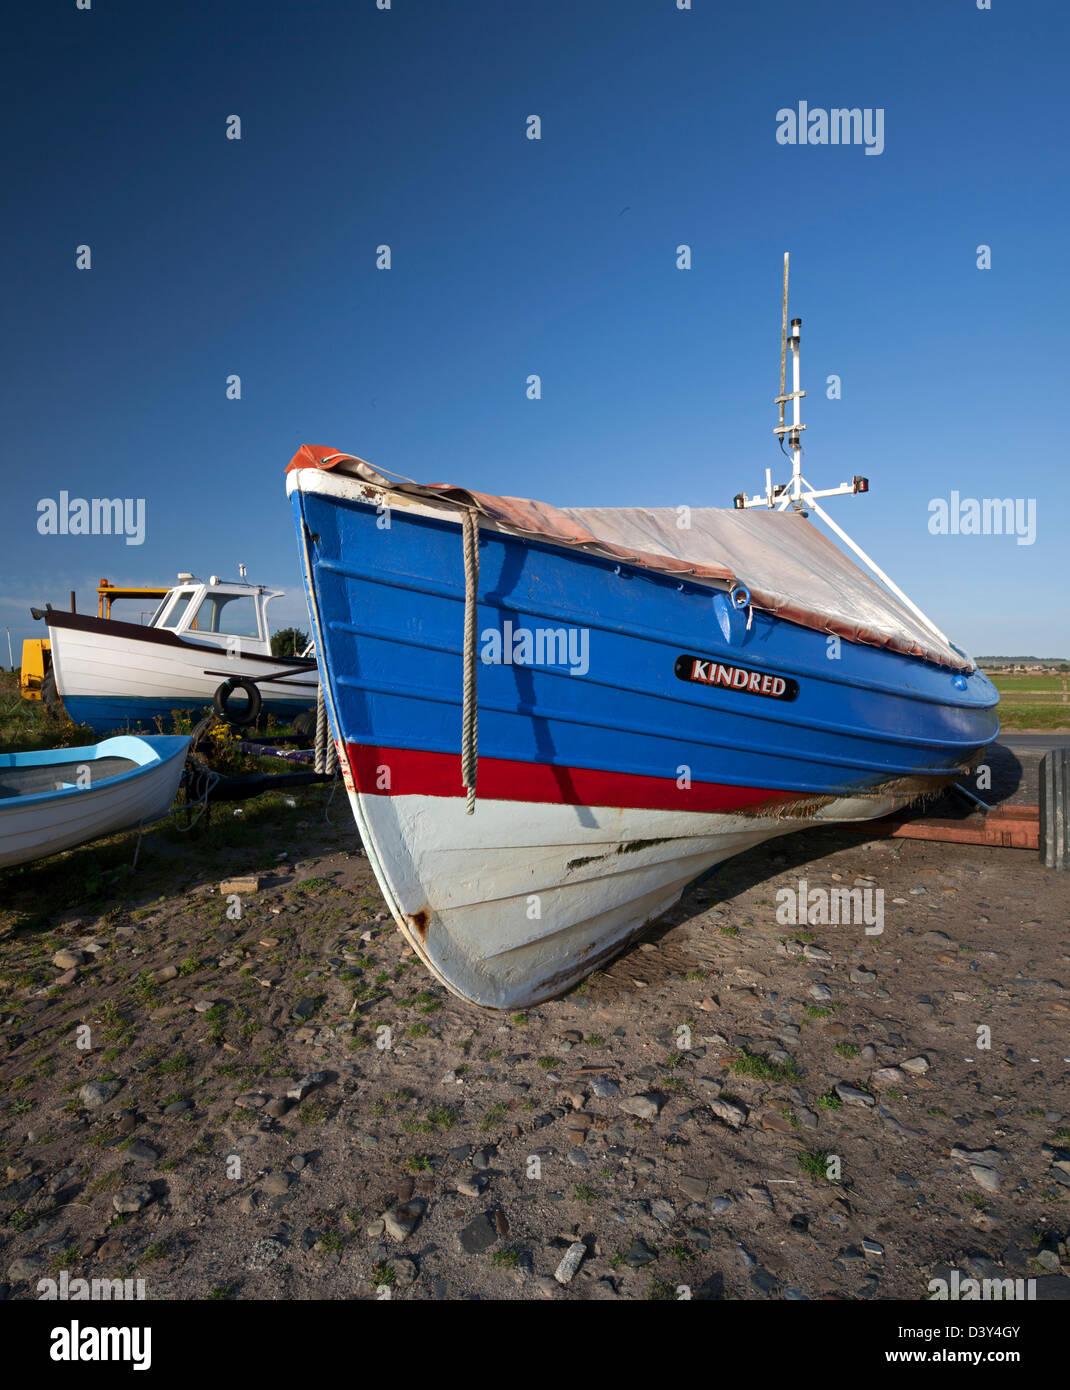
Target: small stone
[
  {"x": 62, "y": 1178},
  {"x": 131, "y": 1199},
  {"x": 276, "y": 1184},
  {"x": 851, "y": 1095},
  {"x": 719, "y": 1205},
  {"x": 862, "y": 977},
  {"x": 177, "y": 1106},
  {"x": 662, "y": 1211},
  {"x": 248, "y": 883},
  {"x": 815, "y": 953},
  {"x": 67, "y": 960},
  {"x": 25, "y": 1269},
  {"x": 729, "y": 1112},
  {"x": 645, "y": 1107},
  {"x": 820, "y": 992},
  {"x": 917, "y": 1066},
  {"x": 763, "y": 1281},
  {"x": 986, "y": 1178},
  {"x": 402, "y": 1220},
  {"x": 888, "y": 1076},
  {"x": 265, "y": 1252},
  {"x": 96, "y": 1093},
  {"x": 571, "y": 1263},
  {"x": 142, "y": 1152},
  {"x": 693, "y": 1187},
  {"x": 873, "y": 1249},
  {"x": 639, "y": 1254},
  {"x": 306, "y": 1084},
  {"x": 479, "y": 1235},
  {"x": 604, "y": 1087},
  {"x": 165, "y": 973}
]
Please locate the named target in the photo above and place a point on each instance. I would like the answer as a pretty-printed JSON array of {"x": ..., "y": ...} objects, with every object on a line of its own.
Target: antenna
[
  {"x": 798, "y": 494},
  {"x": 783, "y": 341}
]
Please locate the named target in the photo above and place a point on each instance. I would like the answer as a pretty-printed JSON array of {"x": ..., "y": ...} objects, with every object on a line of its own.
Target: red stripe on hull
[{"x": 409, "y": 772}]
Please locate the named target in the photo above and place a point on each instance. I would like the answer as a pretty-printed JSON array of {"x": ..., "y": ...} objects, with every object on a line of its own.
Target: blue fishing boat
[
  {"x": 551, "y": 721},
  {"x": 56, "y": 798}
]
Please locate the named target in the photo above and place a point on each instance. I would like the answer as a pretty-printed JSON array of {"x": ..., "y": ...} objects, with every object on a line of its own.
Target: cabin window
[
  {"x": 232, "y": 614},
  {"x": 178, "y": 609}
]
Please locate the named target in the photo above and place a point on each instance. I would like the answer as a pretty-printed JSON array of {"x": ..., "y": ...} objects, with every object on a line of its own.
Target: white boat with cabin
[{"x": 115, "y": 675}]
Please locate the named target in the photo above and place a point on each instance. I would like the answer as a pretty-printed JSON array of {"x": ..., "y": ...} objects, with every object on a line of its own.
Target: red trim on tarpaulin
[{"x": 415, "y": 773}]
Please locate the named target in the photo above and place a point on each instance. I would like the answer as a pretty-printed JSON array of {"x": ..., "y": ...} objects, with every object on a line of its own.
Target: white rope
[
  {"x": 470, "y": 710},
  {"x": 321, "y": 732}
]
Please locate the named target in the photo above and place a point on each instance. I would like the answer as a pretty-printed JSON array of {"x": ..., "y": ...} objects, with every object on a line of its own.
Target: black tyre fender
[
  {"x": 250, "y": 713},
  {"x": 305, "y": 723},
  {"x": 49, "y": 693}
]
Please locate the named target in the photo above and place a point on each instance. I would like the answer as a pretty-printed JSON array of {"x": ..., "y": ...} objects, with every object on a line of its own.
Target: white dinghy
[{"x": 56, "y": 798}]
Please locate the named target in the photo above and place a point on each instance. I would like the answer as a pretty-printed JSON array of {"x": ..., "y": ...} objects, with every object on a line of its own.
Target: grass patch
[
  {"x": 762, "y": 1069},
  {"x": 814, "y": 1164}
]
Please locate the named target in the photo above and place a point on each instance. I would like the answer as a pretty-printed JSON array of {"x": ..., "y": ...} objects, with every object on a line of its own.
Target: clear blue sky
[{"x": 557, "y": 257}]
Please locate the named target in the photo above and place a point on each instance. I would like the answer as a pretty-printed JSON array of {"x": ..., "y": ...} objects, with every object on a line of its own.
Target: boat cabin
[{"x": 218, "y": 612}]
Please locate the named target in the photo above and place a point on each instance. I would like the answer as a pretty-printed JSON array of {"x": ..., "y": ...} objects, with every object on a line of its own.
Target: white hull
[
  {"x": 34, "y": 827},
  {"x": 119, "y": 668},
  {"x": 519, "y": 902}
]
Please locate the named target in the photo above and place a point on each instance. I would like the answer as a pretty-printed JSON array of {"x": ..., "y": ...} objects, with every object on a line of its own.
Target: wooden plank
[{"x": 1011, "y": 827}]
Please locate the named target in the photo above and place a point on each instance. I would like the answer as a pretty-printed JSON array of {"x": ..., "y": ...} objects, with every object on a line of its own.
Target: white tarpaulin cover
[{"x": 789, "y": 566}]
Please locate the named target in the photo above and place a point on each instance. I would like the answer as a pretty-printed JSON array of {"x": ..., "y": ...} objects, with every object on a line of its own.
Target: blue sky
[{"x": 511, "y": 256}]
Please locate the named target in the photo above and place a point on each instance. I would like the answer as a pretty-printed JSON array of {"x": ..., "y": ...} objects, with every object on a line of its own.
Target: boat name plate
[{"x": 740, "y": 679}]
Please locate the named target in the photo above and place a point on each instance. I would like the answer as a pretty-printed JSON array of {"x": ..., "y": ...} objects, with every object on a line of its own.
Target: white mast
[{"x": 798, "y": 494}]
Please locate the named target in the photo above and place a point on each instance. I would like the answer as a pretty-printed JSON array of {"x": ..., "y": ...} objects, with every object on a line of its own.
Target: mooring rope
[
  {"x": 326, "y": 756},
  {"x": 470, "y": 709},
  {"x": 321, "y": 731},
  {"x": 196, "y": 771}
]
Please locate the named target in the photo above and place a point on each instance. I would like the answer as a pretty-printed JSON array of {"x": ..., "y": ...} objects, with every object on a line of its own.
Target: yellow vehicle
[{"x": 36, "y": 681}]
